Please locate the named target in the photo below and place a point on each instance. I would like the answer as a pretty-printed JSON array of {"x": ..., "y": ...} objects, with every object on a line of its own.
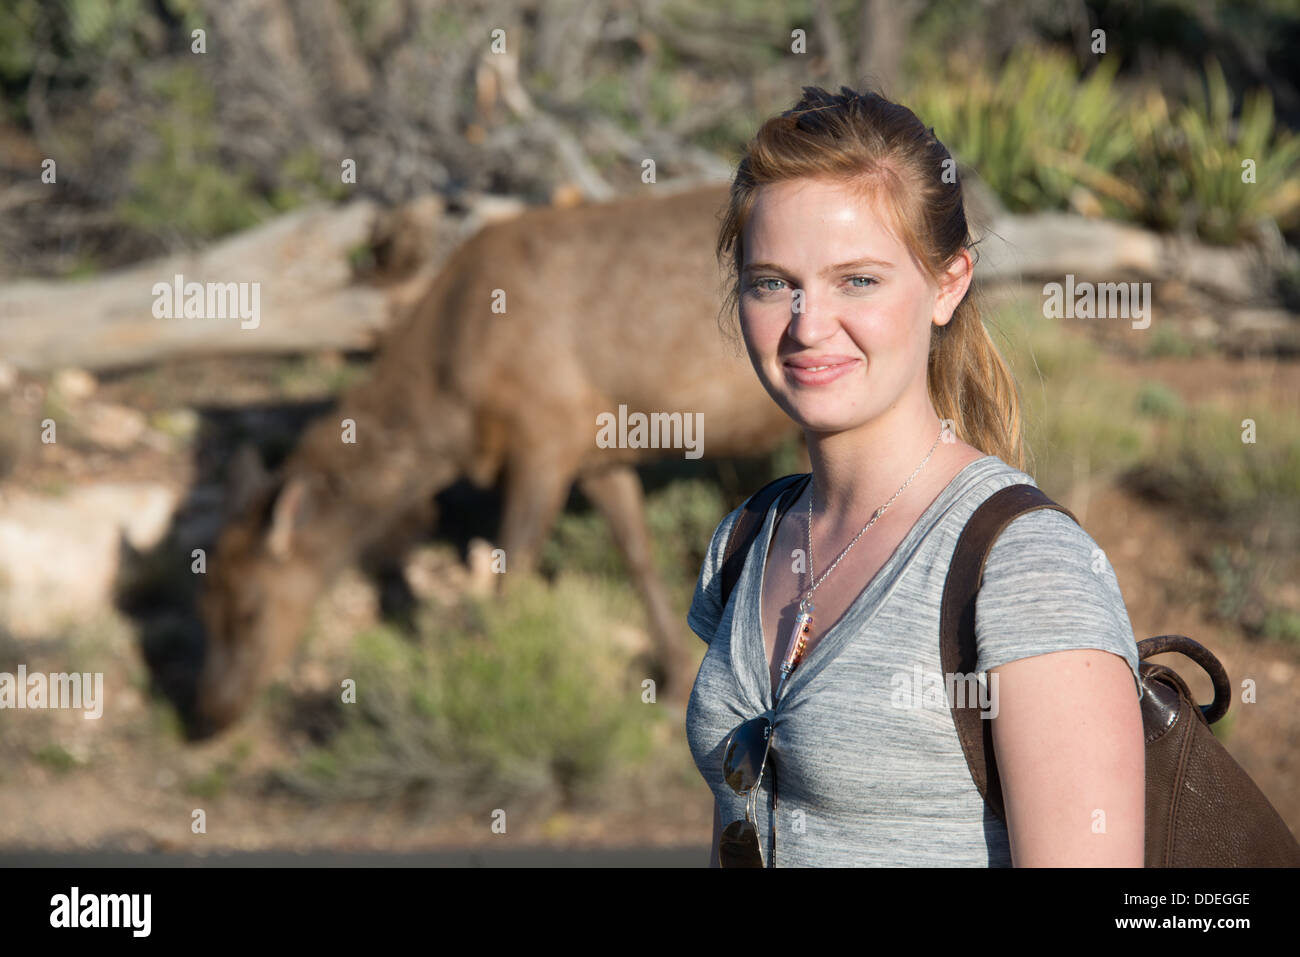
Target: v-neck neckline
[{"x": 815, "y": 658}]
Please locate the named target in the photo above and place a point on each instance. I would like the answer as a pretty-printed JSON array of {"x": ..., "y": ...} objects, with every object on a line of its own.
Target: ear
[
  {"x": 245, "y": 477},
  {"x": 289, "y": 511},
  {"x": 955, "y": 281}
]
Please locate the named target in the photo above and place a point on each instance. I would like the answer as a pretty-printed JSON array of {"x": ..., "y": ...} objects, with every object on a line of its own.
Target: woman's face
[{"x": 834, "y": 313}]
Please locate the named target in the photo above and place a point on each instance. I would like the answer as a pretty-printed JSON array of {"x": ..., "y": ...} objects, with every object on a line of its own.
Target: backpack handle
[{"x": 1165, "y": 644}]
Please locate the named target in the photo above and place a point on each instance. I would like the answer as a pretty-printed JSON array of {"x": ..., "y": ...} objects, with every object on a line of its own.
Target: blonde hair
[{"x": 882, "y": 150}]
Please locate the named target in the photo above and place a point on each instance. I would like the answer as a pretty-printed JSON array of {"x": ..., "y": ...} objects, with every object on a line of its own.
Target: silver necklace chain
[{"x": 803, "y": 605}]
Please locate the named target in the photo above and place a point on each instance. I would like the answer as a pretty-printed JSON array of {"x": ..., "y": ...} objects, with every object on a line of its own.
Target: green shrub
[
  {"x": 1038, "y": 135},
  {"x": 1035, "y": 131},
  {"x": 1188, "y": 163},
  {"x": 185, "y": 185},
  {"x": 56, "y": 757},
  {"x": 495, "y": 700},
  {"x": 1166, "y": 340},
  {"x": 1158, "y": 401}
]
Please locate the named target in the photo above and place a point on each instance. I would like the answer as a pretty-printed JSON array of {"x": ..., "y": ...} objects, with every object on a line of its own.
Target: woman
[{"x": 850, "y": 250}]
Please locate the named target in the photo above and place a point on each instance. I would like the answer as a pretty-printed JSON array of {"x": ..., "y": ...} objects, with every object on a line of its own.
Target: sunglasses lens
[
  {"x": 745, "y": 754},
  {"x": 739, "y": 846}
]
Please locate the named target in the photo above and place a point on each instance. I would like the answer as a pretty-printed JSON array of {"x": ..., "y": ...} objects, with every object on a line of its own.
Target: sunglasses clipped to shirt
[
  {"x": 742, "y": 768},
  {"x": 746, "y": 755}
]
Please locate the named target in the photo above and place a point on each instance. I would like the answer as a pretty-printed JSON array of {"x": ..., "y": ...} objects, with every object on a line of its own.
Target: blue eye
[
  {"x": 757, "y": 284},
  {"x": 758, "y": 287}
]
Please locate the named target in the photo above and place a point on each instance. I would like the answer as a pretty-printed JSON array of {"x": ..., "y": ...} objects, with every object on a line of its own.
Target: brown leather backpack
[{"x": 1202, "y": 809}]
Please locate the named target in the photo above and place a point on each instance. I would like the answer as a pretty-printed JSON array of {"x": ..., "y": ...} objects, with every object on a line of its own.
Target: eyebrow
[{"x": 866, "y": 261}]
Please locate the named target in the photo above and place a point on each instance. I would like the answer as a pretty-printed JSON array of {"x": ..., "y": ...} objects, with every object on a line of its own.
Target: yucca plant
[
  {"x": 1036, "y": 133},
  {"x": 1189, "y": 163},
  {"x": 1039, "y": 136}
]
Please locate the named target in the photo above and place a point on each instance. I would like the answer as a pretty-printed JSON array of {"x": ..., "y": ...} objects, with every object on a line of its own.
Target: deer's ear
[
  {"x": 288, "y": 512},
  {"x": 245, "y": 477}
]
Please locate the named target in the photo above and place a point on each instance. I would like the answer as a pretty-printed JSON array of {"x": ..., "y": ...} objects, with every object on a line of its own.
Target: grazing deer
[{"x": 604, "y": 305}]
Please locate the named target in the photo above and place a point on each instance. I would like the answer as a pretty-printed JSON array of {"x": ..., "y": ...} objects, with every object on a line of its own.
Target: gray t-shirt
[{"x": 867, "y": 774}]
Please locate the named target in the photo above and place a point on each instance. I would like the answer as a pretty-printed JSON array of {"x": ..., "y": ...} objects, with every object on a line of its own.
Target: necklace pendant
[{"x": 798, "y": 642}]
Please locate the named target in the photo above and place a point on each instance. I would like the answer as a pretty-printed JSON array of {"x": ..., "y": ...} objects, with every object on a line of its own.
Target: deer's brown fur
[{"x": 606, "y": 304}]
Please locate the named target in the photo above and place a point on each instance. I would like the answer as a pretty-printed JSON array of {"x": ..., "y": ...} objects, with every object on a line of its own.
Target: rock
[
  {"x": 75, "y": 384},
  {"x": 436, "y": 574},
  {"x": 1202, "y": 329},
  {"x": 112, "y": 426},
  {"x": 59, "y": 555},
  {"x": 1261, "y": 330},
  {"x": 479, "y": 556},
  {"x": 1261, "y": 320}
]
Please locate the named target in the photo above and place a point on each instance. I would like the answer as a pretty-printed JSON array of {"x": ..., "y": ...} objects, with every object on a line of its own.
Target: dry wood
[{"x": 311, "y": 299}]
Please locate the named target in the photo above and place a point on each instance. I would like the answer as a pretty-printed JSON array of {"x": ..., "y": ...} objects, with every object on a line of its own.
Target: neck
[
  {"x": 358, "y": 489},
  {"x": 859, "y": 470}
]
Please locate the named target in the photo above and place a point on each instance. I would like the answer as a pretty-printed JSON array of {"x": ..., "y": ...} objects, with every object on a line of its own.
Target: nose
[
  {"x": 810, "y": 321},
  {"x": 215, "y": 709},
  {"x": 220, "y": 695}
]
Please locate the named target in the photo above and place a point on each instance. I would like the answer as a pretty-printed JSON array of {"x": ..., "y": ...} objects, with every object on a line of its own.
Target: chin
[{"x": 821, "y": 419}]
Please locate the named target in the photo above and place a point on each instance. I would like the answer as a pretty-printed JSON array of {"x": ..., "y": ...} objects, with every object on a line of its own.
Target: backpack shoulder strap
[
  {"x": 749, "y": 522},
  {"x": 957, "y": 648}
]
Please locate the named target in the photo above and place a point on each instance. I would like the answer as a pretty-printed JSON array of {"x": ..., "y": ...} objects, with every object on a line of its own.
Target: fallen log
[
  {"x": 1047, "y": 246},
  {"x": 311, "y": 299}
]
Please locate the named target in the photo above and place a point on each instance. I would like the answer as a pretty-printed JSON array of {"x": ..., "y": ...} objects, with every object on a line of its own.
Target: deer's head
[{"x": 263, "y": 578}]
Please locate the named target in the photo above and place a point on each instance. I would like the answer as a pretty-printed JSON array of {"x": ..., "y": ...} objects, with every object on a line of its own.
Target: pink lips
[{"x": 818, "y": 370}]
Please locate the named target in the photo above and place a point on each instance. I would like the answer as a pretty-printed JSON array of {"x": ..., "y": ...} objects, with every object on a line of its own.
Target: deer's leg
[
  {"x": 617, "y": 492},
  {"x": 383, "y": 560},
  {"x": 537, "y": 485}
]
